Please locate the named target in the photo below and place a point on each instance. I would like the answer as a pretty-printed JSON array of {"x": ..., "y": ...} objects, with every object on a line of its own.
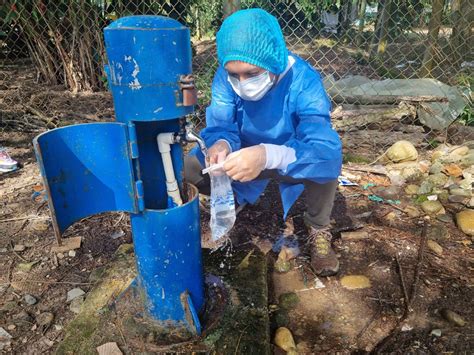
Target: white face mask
[{"x": 252, "y": 89}]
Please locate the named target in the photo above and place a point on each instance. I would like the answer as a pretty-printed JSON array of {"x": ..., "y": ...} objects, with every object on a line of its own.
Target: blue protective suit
[{"x": 294, "y": 113}]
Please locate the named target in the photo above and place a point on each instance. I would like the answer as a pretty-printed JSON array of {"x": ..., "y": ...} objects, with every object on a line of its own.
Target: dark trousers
[{"x": 319, "y": 197}]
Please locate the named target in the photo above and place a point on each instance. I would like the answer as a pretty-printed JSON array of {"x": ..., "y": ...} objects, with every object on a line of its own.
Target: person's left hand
[{"x": 246, "y": 164}]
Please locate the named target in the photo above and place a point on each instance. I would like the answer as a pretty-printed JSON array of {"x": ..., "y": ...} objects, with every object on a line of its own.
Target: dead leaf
[
  {"x": 245, "y": 261},
  {"x": 25, "y": 267},
  {"x": 453, "y": 170}
]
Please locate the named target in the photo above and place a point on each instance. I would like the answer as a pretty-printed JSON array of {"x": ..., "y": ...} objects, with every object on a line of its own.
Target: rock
[
  {"x": 74, "y": 293},
  {"x": 443, "y": 196},
  {"x": 465, "y": 221},
  {"x": 467, "y": 182},
  {"x": 412, "y": 211},
  {"x": 436, "y": 332},
  {"x": 401, "y": 151},
  {"x": 437, "y": 179},
  {"x": 11, "y": 327},
  {"x": 23, "y": 316},
  {"x": 353, "y": 282},
  {"x": 453, "y": 317},
  {"x": 76, "y": 304},
  {"x": 60, "y": 255},
  {"x": 457, "y": 191},
  {"x": 459, "y": 151},
  {"x": 437, "y": 232},
  {"x": 389, "y": 193},
  {"x": 432, "y": 207},
  {"x": 29, "y": 299},
  {"x": 453, "y": 170},
  {"x": 284, "y": 340},
  {"x": 445, "y": 218},
  {"x": 467, "y": 160},
  {"x": 118, "y": 234},
  {"x": 471, "y": 202},
  {"x": 288, "y": 300},
  {"x": 425, "y": 187},
  {"x": 411, "y": 189},
  {"x": 435, "y": 247},
  {"x": 45, "y": 318},
  {"x": 72, "y": 253},
  {"x": 19, "y": 248},
  {"x": 458, "y": 199},
  {"x": 5, "y": 339},
  {"x": 436, "y": 167},
  {"x": 411, "y": 173}
]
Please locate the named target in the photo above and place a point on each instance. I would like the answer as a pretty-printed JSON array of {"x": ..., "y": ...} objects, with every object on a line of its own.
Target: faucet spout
[{"x": 192, "y": 136}]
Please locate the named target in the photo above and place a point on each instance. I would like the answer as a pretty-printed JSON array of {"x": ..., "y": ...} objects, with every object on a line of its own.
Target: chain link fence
[{"x": 395, "y": 69}]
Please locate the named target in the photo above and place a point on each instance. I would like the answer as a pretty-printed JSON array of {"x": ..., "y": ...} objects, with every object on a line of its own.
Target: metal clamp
[{"x": 186, "y": 84}]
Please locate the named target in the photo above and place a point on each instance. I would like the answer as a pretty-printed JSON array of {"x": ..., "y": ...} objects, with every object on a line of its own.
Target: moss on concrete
[{"x": 243, "y": 328}]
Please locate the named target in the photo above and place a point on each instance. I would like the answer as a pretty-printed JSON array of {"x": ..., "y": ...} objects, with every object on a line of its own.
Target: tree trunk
[
  {"x": 463, "y": 21},
  {"x": 377, "y": 28},
  {"x": 432, "y": 40},
  {"x": 384, "y": 27},
  {"x": 360, "y": 32}
]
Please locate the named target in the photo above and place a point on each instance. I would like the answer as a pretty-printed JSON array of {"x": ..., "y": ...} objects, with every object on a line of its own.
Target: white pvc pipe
[{"x": 164, "y": 146}]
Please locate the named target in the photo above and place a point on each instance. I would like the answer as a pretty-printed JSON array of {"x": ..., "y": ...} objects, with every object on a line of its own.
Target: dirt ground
[{"x": 325, "y": 319}]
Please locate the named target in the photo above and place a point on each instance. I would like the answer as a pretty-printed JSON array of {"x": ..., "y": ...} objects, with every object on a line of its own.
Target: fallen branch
[
  {"x": 404, "y": 287},
  {"x": 421, "y": 251},
  {"x": 38, "y": 114},
  {"x": 23, "y": 218},
  {"x": 385, "y": 99},
  {"x": 378, "y": 170}
]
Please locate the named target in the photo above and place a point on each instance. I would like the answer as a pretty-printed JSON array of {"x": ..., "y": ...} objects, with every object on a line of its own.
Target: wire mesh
[{"x": 52, "y": 57}]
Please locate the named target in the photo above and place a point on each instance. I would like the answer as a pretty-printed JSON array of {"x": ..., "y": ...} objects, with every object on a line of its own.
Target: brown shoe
[{"x": 323, "y": 258}]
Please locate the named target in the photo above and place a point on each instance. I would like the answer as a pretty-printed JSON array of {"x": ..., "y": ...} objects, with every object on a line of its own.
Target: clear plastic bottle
[{"x": 222, "y": 205}]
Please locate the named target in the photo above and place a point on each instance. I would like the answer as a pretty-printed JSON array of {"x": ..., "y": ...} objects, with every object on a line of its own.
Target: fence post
[{"x": 229, "y": 7}]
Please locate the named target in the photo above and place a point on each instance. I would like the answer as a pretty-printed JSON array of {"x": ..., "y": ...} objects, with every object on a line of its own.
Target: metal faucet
[{"x": 187, "y": 135}]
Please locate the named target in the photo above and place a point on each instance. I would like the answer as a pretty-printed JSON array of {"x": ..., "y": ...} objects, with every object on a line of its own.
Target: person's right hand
[{"x": 218, "y": 152}]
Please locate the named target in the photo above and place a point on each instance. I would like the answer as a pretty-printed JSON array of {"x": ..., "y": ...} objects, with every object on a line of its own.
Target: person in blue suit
[{"x": 269, "y": 118}]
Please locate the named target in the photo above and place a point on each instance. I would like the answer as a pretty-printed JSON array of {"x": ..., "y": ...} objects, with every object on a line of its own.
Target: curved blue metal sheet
[
  {"x": 168, "y": 254},
  {"x": 87, "y": 169},
  {"x": 146, "y": 57}
]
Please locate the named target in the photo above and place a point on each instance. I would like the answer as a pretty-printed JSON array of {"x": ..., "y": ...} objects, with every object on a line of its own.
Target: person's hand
[
  {"x": 246, "y": 164},
  {"x": 218, "y": 152}
]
